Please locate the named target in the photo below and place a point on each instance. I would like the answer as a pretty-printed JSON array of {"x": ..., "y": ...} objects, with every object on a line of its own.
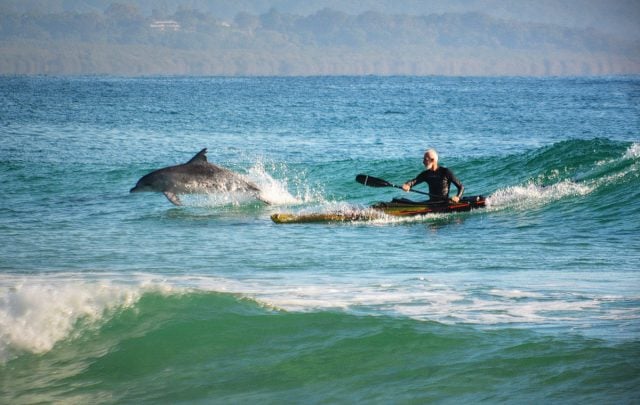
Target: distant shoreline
[{"x": 122, "y": 41}]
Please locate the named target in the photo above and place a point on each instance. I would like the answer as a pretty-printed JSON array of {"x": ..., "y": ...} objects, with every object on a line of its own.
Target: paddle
[{"x": 376, "y": 182}]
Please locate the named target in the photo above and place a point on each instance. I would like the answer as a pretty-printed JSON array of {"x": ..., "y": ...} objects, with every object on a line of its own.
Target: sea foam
[
  {"x": 633, "y": 152},
  {"x": 531, "y": 195},
  {"x": 36, "y": 312},
  {"x": 39, "y": 311}
]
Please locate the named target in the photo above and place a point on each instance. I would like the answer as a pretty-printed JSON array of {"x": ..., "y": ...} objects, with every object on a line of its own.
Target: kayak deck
[
  {"x": 397, "y": 207},
  {"x": 404, "y": 207}
]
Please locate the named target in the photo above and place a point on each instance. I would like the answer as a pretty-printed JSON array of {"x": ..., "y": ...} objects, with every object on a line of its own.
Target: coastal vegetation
[{"x": 124, "y": 40}]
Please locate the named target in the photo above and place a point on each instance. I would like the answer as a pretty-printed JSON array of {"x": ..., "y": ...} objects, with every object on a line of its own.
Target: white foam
[
  {"x": 446, "y": 300},
  {"x": 600, "y": 175},
  {"x": 633, "y": 152},
  {"x": 531, "y": 195},
  {"x": 515, "y": 293},
  {"x": 36, "y": 312}
]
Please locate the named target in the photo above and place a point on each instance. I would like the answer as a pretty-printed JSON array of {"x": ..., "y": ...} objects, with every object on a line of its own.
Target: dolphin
[{"x": 197, "y": 176}]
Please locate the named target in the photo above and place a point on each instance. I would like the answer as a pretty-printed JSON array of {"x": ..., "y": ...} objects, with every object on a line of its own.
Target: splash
[{"x": 275, "y": 191}]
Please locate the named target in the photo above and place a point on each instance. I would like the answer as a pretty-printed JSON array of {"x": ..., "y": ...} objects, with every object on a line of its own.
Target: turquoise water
[{"x": 111, "y": 297}]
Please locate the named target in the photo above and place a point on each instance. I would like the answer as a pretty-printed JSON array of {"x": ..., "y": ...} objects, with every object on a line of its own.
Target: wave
[
  {"x": 597, "y": 168},
  {"x": 38, "y": 312},
  {"x": 187, "y": 344}
]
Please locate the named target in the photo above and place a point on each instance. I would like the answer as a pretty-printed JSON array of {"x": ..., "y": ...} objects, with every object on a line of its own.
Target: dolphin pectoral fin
[
  {"x": 259, "y": 198},
  {"x": 172, "y": 197}
]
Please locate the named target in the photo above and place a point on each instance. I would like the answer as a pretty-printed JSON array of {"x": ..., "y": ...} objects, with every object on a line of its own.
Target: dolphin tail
[
  {"x": 173, "y": 198},
  {"x": 257, "y": 193}
]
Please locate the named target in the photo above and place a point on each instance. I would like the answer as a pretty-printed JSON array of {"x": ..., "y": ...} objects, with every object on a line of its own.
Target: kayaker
[{"x": 439, "y": 178}]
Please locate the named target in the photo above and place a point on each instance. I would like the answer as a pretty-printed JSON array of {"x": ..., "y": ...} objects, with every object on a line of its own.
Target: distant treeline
[{"x": 121, "y": 40}]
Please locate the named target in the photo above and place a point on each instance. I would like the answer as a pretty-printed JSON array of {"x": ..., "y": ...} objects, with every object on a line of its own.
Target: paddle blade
[{"x": 372, "y": 181}]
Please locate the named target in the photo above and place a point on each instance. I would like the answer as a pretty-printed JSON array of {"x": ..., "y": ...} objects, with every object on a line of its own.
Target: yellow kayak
[{"x": 399, "y": 208}]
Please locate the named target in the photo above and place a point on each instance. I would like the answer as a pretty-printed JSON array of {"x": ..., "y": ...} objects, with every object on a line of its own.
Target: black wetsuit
[{"x": 439, "y": 182}]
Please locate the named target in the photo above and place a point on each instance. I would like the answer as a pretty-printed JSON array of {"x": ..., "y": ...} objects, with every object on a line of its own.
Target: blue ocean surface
[{"x": 112, "y": 297}]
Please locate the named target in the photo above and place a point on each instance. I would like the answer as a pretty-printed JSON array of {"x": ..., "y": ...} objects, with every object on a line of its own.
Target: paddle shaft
[
  {"x": 376, "y": 182},
  {"x": 415, "y": 191}
]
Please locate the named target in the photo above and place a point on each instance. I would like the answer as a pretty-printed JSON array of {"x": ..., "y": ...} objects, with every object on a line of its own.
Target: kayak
[
  {"x": 403, "y": 207},
  {"x": 396, "y": 208}
]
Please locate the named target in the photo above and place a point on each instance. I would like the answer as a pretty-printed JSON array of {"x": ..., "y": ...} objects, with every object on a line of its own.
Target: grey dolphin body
[{"x": 197, "y": 176}]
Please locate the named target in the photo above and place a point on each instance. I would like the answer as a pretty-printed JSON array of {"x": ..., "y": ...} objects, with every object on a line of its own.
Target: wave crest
[
  {"x": 531, "y": 195},
  {"x": 38, "y": 312}
]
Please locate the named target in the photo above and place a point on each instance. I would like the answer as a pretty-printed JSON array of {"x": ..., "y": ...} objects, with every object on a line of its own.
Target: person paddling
[{"x": 439, "y": 178}]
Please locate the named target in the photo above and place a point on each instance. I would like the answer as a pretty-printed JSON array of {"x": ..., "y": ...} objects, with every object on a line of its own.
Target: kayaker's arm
[
  {"x": 407, "y": 186},
  {"x": 421, "y": 178},
  {"x": 458, "y": 185},
  {"x": 457, "y": 197}
]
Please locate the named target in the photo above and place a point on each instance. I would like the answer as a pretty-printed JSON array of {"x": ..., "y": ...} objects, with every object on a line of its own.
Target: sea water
[{"x": 111, "y": 297}]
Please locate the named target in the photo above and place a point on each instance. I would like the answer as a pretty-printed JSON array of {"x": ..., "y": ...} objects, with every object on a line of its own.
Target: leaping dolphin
[{"x": 197, "y": 176}]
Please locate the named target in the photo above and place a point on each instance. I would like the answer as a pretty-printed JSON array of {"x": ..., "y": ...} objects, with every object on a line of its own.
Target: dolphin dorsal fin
[{"x": 199, "y": 157}]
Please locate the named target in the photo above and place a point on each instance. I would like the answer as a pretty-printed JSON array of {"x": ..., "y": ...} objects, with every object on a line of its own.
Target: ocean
[{"x": 111, "y": 297}]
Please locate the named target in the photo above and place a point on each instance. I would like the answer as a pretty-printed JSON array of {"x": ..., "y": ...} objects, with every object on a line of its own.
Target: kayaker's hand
[
  {"x": 455, "y": 199},
  {"x": 406, "y": 187}
]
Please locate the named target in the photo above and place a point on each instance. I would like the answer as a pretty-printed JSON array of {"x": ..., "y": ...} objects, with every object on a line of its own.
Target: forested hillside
[{"x": 124, "y": 40}]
